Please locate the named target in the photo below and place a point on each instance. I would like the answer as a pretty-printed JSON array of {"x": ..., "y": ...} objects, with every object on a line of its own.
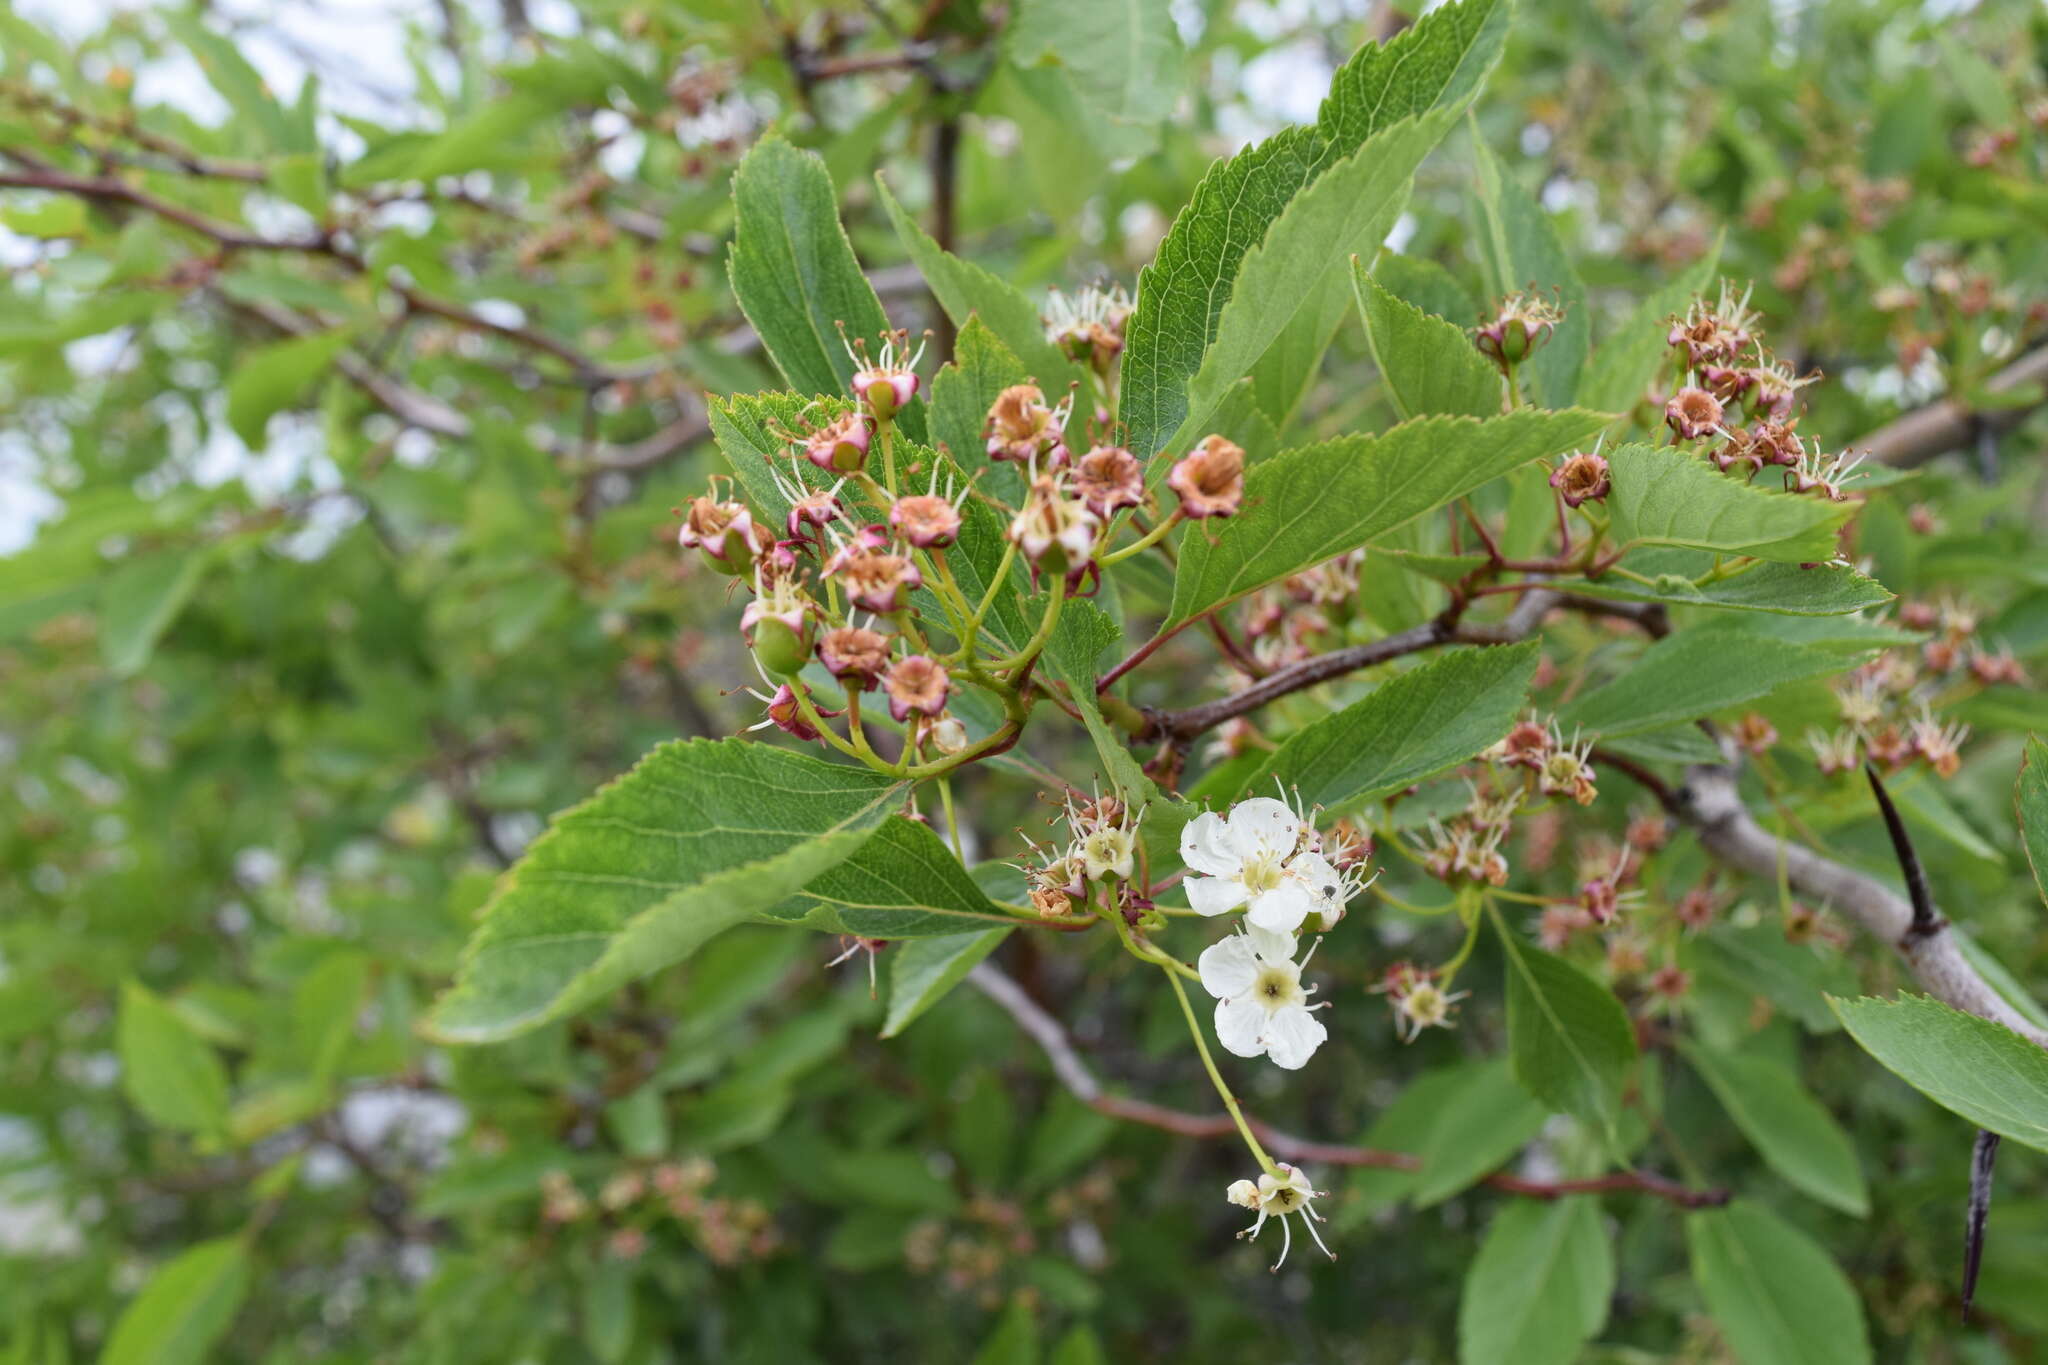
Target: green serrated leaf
[
  {"x": 923, "y": 970},
  {"x": 794, "y": 271},
  {"x": 1410, "y": 727},
  {"x": 1684, "y": 676},
  {"x": 167, "y": 1070},
  {"x": 1306, "y": 505},
  {"x": 269, "y": 379},
  {"x": 903, "y": 882},
  {"x": 1969, "y": 1066},
  {"x": 1665, "y": 496},
  {"x": 1569, "y": 1039},
  {"x": 698, "y": 837},
  {"x": 1539, "y": 1288},
  {"x": 1797, "y": 1137},
  {"x": 1123, "y": 57},
  {"x": 185, "y": 1309},
  {"x": 1789, "y": 589},
  {"x": 141, "y": 598},
  {"x": 1437, "y": 62},
  {"x": 1778, "y": 1298},
  {"x": 1428, "y": 364}
]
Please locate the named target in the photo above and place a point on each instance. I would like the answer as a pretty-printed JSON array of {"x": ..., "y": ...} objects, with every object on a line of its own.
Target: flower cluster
[
  {"x": 1731, "y": 391},
  {"x": 1098, "y": 860},
  {"x": 1266, "y": 859},
  {"x": 634, "y": 1203},
  {"x": 1888, "y": 705}
]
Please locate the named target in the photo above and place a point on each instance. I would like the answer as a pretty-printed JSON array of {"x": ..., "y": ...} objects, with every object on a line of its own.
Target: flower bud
[
  {"x": 1209, "y": 479},
  {"x": 916, "y": 686},
  {"x": 854, "y": 654},
  {"x": 1243, "y": 1193},
  {"x": 1582, "y": 478}
]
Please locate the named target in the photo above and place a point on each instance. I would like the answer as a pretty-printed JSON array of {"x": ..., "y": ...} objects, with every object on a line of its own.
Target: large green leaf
[
  {"x": 1410, "y": 727},
  {"x": 922, "y": 970},
  {"x": 793, "y": 270},
  {"x": 269, "y": 379},
  {"x": 1664, "y": 496},
  {"x": 1686, "y": 676},
  {"x": 966, "y": 291},
  {"x": 698, "y": 837},
  {"x": 1790, "y": 589},
  {"x": 902, "y": 882},
  {"x": 1437, "y": 62},
  {"x": 1778, "y": 1298},
  {"x": 1520, "y": 250},
  {"x": 140, "y": 599},
  {"x": 2030, "y": 806},
  {"x": 185, "y": 1309},
  {"x": 1569, "y": 1038},
  {"x": 1345, "y": 210},
  {"x": 1970, "y": 1066},
  {"x": 1306, "y": 505},
  {"x": 1797, "y": 1136},
  {"x": 169, "y": 1072},
  {"x": 1429, "y": 365},
  {"x": 1123, "y": 57},
  {"x": 1539, "y": 1288}
]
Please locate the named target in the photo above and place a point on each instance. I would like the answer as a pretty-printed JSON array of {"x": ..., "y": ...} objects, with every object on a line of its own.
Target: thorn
[
  {"x": 1981, "y": 1158},
  {"x": 1926, "y": 920}
]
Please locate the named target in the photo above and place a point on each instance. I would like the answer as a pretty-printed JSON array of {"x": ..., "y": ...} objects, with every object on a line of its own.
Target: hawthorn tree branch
[
  {"x": 1948, "y": 424},
  {"x": 1081, "y": 1083}
]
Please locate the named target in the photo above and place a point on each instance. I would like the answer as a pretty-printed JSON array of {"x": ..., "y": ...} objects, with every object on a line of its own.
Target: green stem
[
  {"x": 1144, "y": 542},
  {"x": 1244, "y": 1128},
  {"x": 1044, "y": 633}
]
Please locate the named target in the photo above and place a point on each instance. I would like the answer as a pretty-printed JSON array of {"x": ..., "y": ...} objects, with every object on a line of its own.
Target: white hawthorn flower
[
  {"x": 1264, "y": 857},
  {"x": 1261, "y": 1008},
  {"x": 1276, "y": 1196}
]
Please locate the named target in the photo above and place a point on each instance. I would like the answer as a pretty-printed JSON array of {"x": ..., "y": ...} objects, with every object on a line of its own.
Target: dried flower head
[
  {"x": 887, "y": 383},
  {"x": 726, "y": 533},
  {"x": 1088, "y": 327},
  {"x": 1693, "y": 412},
  {"x": 841, "y": 446},
  {"x": 1209, "y": 479},
  {"x": 1582, "y": 478},
  {"x": 876, "y": 580},
  {"x": 854, "y": 654},
  {"x": 916, "y": 686},
  {"x": 1055, "y": 529},
  {"x": 1022, "y": 427},
  {"x": 1715, "y": 335},
  {"x": 1109, "y": 478},
  {"x": 1520, "y": 324}
]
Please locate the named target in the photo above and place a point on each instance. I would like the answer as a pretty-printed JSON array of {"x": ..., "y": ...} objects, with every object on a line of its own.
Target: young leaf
[
  {"x": 1664, "y": 496},
  {"x": 793, "y": 269},
  {"x": 139, "y": 600},
  {"x": 922, "y": 970},
  {"x": 1969, "y": 1066},
  {"x": 185, "y": 1309},
  {"x": 1478, "y": 1124},
  {"x": 270, "y": 379},
  {"x": 1787, "y": 589},
  {"x": 1305, "y": 505},
  {"x": 168, "y": 1071},
  {"x": 966, "y": 291},
  {"x": 1521, "y": 251},
  {"x": 1429, "y": 365},
  {"x": 1015, "y": 1339},
  {"x": 1778, "y": 1298},
  {"x": 1797, "y": 1136},
  {"x": 1437, "y": 62},
  {"x": 1569, "y": 1038},
  {"x": 1685, "y": 676},
  {"x": 2030, "y": 805},
  {"x": 1539, "y": 1288},
  {"x": 1345, "y": 210},
  {"x": 698, "y": 837},
  {"x": 1410, "y": 727}
]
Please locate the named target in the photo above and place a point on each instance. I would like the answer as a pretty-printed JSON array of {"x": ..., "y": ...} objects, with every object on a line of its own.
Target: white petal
[
  {"x": 1228, "y": 967},
  {"x": 1283, "y": 908},
  {"x": 1270, "y": 946},
  {"x": 1266, "y": 822},
  {"x": 1205, "y": 846},
  {"x": 1292, "y": 1036},
  {"x": 1239, "y": 1024},
  {"x": 1214, "y": 895},
  {"x": 1313, "y": 870}
]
